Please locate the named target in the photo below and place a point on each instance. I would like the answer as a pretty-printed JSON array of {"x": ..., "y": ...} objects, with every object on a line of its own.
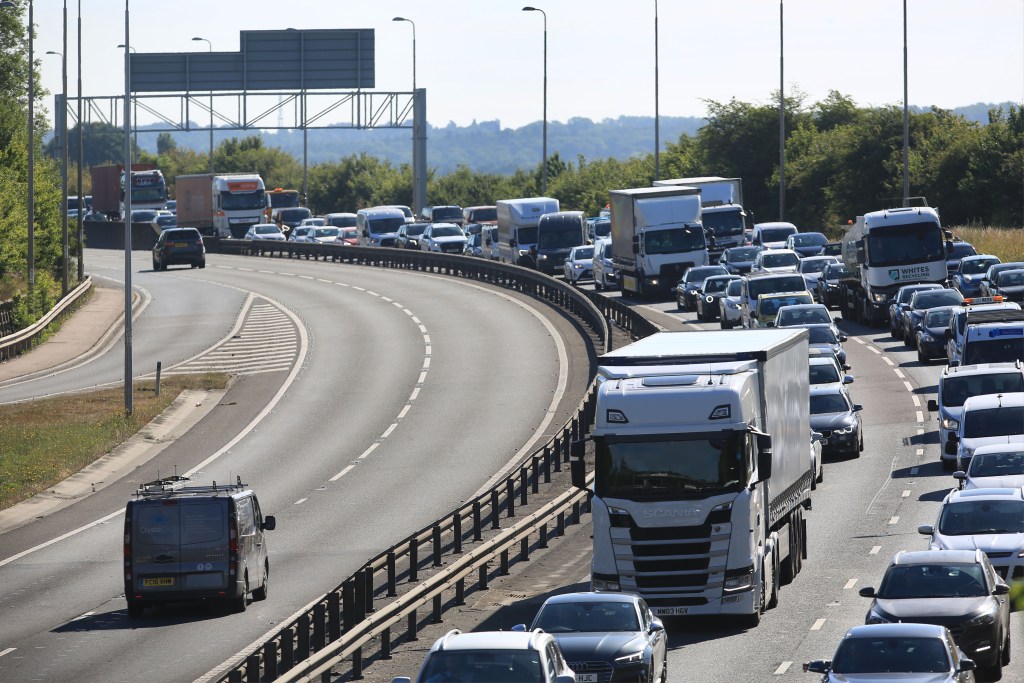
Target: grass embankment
[
  {"x": 43, "y": 442},
  {"x": 1006, "y": 243}
]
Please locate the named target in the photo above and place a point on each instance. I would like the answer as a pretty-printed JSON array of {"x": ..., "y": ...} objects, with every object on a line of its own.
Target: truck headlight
[
  {"x": 742, "y": 582},
  {"x": 879, "y": 297},
  {"x": 950, "y": 423},
  {"x": 605, "y": 584}
]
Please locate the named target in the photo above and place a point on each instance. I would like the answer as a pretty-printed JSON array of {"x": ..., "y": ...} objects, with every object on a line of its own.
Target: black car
[
  {"x": 408, "y": 236},
  {"x": 712, "y": 291},
  {"x": 930, "y": 334},
  {"x": 921, "y": 302},
  {"x": 900, "y": 303},
  {"x": 606, "y": 636},
  {"x": 957, "y": 589},
  {"x": 836, "y": 418},
  {"x": 827, "y": 289},
  {"x": 957, "y": 251},
  {"x": 738, "y": 260},
  {"x": 179, "y": 246},
  {"x": 1009, "y": 284},
  {"x": 688, "y": 288}
]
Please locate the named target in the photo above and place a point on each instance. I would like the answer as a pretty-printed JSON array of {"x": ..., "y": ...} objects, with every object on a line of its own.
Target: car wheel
[
  {"x": 135, "y": 609},
  {"x": 921, "y": 358},
  {"x": 664, "y": 671},
  {"x": 860, "y": 444},
  {"x": 262, "y": 592},
  {"x": 154, "y": 265},
  {"x": 896, "y": 332},
  {"x": 202, "y": 264},
  {"x": 240, "y": 604},
  {"x": 1006, "y": 649}
]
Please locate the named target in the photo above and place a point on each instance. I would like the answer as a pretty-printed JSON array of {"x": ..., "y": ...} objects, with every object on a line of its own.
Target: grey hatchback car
[{"x": 186, "y": 542}]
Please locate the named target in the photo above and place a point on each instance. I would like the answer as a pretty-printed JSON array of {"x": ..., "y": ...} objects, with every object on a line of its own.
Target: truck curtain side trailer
[
  {"x": 702, "y": 470},
  {"x": 722, "y": 211},
  {"x": 885, "y": 250},
  {"x": 656, "y": 235}
]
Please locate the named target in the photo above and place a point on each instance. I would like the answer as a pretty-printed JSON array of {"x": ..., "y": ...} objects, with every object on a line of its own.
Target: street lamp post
[
  {"x": 906, "y": 117},
  {"x": 135, "y": 112},
  {"x": 418, "y": 196},
  {"x": 657, "y": 118},
  {"x": 544, "y": 164},
  {"x": 31, "y": 144},
  {"x": 81, "y": 154},
  {"x": 128, "y": 398},
  {"x": 63, "y": 123},
  {"x": 210, "y": 46},
  {"x": 413, "y": 50},
  {"x": 782, "y": 123}
]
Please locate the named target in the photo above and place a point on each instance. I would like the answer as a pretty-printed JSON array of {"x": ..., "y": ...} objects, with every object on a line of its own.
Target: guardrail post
[
  {"x": 414, "y": 560},
  {"x": 482, "y": 579},
  {"x": 476, "y": 521},
  {"x": 457, "y": 531},
  {"x": 576, "y": 512},
  {"x": 560, "y": 524},
  {"x": 556, "y": 446},
  {"x": 566, "y": 440},
  {"x": 368, "y": 578},
  {"x": 412, "y": 635},
  {"x": 360, "y": 596},
  {"x": 436, "y": 533},
  {"x": 543, "y": 536},
  {"x": 302, "y": 652},
  {"x": 392, "y": 589},
  {"x": 535, "y": 474},
  {"x": 385, "y": 643},
  {"x": 333, "y": 615},
  {"x": 460, "y": 592},
  {"x": 524, "y": 549},
  {"x": 287, "y": 636},
  {"x": 252, "y": 668},
  {"x": 357, "y": 665},
  {"x": 235, "y": 676},
  {"x": 503, "y": 570},
  {"x": 510, "y": 496},
  {"x": 524, "y": 483},
  {"x": 547, "y": 465},
  {"x": 270, "y": 660},
  {"x": 319, "y": 621},
  {"x": 437, "y": 609},
  {"x": 348, "y": 603}
]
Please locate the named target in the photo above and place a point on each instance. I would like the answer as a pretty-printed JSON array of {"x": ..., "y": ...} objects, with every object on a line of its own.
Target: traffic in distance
[{"x": 708, "y": 446}]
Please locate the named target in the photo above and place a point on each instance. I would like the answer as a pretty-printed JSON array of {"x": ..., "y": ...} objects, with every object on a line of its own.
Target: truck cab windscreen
[
  {"x": 149, "y": 193},
  {"x": 480, "y": 215},
  {"x": 724, "y": 223},
  {"x": 675, "y": 466},
  {"x": 385, "y": 225},
  {"x": 283, "y": 200},
  {"x": 242, "y": 201},
  {"x": 674, "y": 240},
  {"x": 906, "y": 244}
]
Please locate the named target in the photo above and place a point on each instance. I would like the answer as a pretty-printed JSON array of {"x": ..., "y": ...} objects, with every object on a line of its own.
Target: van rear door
[
  {"x": 205, "y": 545},
  {"x": 156, "y": 547},
  {"x": 180, "y": 545}
]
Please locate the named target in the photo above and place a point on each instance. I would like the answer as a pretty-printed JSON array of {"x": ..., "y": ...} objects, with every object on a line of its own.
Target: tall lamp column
[
  {"x": 544, "y": 164},
  {"x": 63, "y": 123},
  {"x": 210, "y": 46}
]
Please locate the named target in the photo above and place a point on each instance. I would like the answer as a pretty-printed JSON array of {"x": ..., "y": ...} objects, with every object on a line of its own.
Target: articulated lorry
[
  {"x": 517, "y": 227},
  {"x": 721, "y": 201},
  {"x": 702, "y": 470},
  {"x": 656, "y": 235},
  {"x": 223, "y": 206},
  {"x": 885, "y": 250},
  {"x": 149, "y": 190}
]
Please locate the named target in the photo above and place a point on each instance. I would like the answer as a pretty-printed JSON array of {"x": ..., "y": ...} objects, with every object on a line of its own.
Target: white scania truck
[
  {"x": 885, "y": 250},
  {"x": 702, "y": 470},
  {"x": 656, "y": 235},
  {"x": 722, "y": 213}
]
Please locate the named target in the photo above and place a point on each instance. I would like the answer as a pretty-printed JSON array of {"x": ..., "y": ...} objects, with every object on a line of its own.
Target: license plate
[
  {"x": 586, "y": 678},
  {"x": 670, "y": 611},
  {"x": 179, "y": 244},
  {"x": 162, "y": 581}
]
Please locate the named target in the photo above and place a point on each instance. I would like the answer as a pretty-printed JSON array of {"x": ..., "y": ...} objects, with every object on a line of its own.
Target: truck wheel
[{"x": 773, "y": 596}]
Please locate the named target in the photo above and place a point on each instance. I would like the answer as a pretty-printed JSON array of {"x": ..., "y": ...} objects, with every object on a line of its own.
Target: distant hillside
[{"x": 486, "y": 146}]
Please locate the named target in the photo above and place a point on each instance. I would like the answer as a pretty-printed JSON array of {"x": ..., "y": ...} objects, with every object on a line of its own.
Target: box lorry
[
  {"x": 223, "y": 206},
  {"x": 721, "y": 201},
  {"x": 517, "y": 227},
  {"x": 149, "y": 190},
  {"x": 656, "y": 235},
  {"x": 702, "y": 470},
  {"x": 885, "y": 250}
]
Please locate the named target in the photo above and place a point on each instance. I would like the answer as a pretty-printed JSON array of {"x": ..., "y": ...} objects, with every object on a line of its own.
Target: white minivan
[{"x": 604, "y": 275}]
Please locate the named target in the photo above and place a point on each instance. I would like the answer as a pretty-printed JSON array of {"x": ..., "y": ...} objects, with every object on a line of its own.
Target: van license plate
[
  {"x": 670, "y": 611},
  {"x": 162, "y": 581}
]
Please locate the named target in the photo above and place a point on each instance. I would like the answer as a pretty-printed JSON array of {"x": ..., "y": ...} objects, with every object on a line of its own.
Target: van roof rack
[{"x": 179, "y": 485}]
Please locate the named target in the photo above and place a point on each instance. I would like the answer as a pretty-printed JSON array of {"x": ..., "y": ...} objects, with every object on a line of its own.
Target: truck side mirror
[
  {"x": 764, "y": 457},
  {"x": 860, "y": 255},
  {"x": 636, "y": 245},
  {"x": 577, "y": 464},
  {"x": 512, "y": 242}
]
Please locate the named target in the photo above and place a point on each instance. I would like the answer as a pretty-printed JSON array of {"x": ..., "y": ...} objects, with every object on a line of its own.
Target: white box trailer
[
  {"x": 702, "y": 469},
  {"x": 517, "y": 226},
  {"x": 721, "y": 210}
]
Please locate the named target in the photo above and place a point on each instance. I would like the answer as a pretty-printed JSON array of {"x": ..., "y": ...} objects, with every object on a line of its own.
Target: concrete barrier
[{"x": 110, "y": 235}]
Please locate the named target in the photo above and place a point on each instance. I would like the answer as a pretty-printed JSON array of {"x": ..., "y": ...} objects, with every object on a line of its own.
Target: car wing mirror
[
  {"x": 867, "y": 592},
  {"x": 842, "y": 337},
  {"x": 847, "y": 379},
  {"x": 967, "y": 664},
  {"x": 1001, "y": 589},
  {"x": 960, "y": 475},
  {"x": 519, "y": 628},
  {"x": 933, "y": 405},
  {"x": 819, "y": 666},
  {"x": 857, "y": 407},
  {"x": 926, "y": 529},
  {"x": 657, "y": 625}
]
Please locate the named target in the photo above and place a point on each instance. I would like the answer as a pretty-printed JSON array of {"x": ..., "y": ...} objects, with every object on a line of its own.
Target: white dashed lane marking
[
  {"x": 818, "y": 624},
  {"x": 874, "y": 550},
  {"x": 783, "y": 668},
  {"x": 850, "y": 584}
]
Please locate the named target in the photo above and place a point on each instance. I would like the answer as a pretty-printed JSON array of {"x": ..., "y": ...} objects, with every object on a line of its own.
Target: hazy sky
[{"x": 482, "y": 59}]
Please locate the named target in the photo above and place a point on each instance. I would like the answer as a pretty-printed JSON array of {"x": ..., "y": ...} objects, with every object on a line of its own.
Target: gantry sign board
[{"x": 318, "y": 59}]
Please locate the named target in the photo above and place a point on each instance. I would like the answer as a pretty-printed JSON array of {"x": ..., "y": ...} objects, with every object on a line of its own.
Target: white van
[
  {"x": 605, "y": 276},
  {"x": 379, "y": 225}
]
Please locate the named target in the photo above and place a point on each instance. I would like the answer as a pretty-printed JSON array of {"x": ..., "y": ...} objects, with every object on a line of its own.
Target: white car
[
  {"x": 987, "y": 420},
  {"x": 824, "y": 370},
  {"x": 990, "y": 520},
  {"x": 317, "y": 220},
  {"x": 445, "y": 238},
  {"x": 997, "y": 466},
  {"x": 776, "y": 261},
  {"x": 525, "y": 657},
  {"x": 579, "y": 265},
  {"x": 324, "y": 234},
  {"x": 729, "y": 308},
  {"x": 300, "y": 234},
  {"x": 266, "y": 232}
]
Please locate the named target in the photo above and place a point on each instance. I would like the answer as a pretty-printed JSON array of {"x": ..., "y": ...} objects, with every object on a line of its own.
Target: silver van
[
  {"x": 189, "y": 542},
  {"x": 379, "y": 225}
]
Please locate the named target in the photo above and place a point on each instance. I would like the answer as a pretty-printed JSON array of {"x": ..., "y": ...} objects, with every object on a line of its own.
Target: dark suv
[
  {"x": 957, "y": 589},
  {"x": 179, "y": 246}
]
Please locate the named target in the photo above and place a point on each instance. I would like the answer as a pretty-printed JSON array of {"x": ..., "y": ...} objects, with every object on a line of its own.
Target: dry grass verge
[
  {"x": 43, "y": 442},
  {"x": 1006, "y": 243}
]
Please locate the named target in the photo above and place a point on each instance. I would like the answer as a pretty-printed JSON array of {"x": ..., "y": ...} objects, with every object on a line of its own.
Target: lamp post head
[
  {"x": 399, "y": 19},
  {"x": 530, "y": 9}
]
